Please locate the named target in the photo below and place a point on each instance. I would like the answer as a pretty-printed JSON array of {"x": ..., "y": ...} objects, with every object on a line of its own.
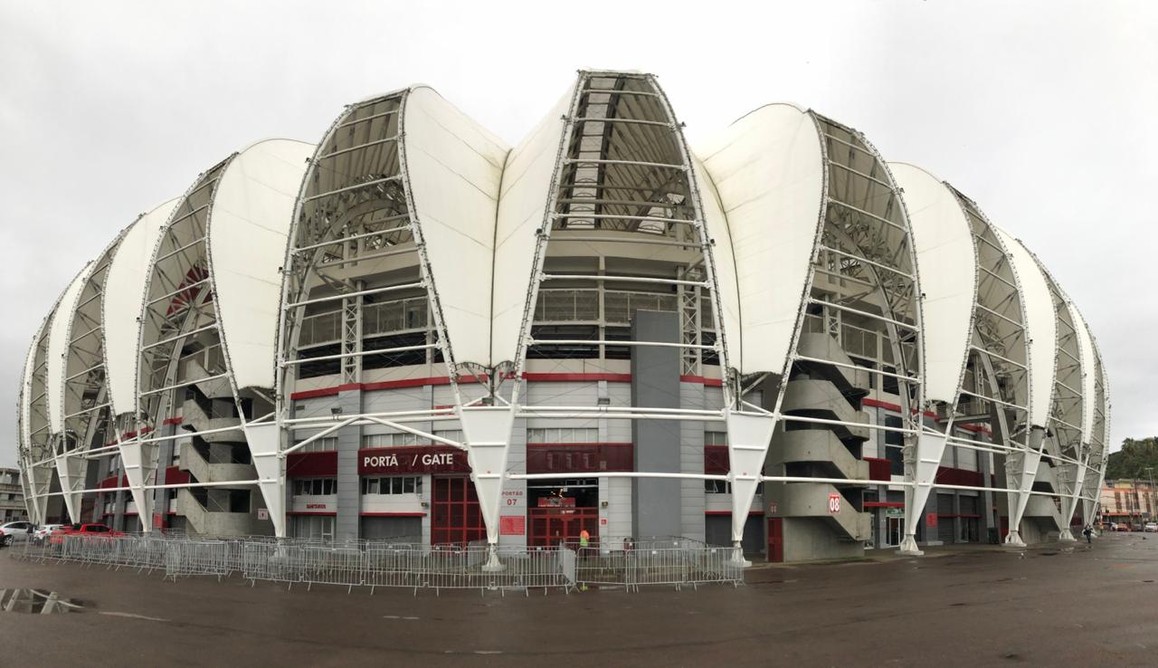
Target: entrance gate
[
  {"x": 550, "y": 526},
  {"x": 455, "y": 516}
]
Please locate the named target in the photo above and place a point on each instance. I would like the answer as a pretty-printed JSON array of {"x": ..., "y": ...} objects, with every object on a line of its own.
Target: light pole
[{"x": 1150, "y": 495}]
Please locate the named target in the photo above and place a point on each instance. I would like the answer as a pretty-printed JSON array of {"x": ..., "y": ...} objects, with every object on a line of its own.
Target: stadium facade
[{"x": 776, "y": 340}]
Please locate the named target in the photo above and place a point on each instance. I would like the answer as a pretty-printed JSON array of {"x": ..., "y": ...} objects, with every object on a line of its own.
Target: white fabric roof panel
[
  {"x": 1040, "y": 326},
  {"x": 59, "y": 336},
  {"x": 124, "y": 298},
  {"x": 1089, "y": 372},
  {"x": 947, "y": 266},
  {"x": 26, "y": 387},
  {"x": 716, "y": 224},
  {"x": 522, "y": 204},
  {"x": 247, "y": 236},
  {"x": 768, "y": 170},
  {"x": 455, "y": 169}
]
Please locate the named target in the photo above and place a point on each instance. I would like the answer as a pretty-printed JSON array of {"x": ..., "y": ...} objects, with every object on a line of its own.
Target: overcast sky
[{"x": 1039, "y": 111}]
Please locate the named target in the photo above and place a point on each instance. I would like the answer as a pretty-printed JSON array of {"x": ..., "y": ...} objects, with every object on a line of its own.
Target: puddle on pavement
[{"x": 37, "y": 602}]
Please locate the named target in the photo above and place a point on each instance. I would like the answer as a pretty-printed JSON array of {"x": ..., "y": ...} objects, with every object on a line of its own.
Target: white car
[
  {"x": 14, "y": 531},
  {"x": 1151, "y": 527},
  {"x": 43, "y": 532}
]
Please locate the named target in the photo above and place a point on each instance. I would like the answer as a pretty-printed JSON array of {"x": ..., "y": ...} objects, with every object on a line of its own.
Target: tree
[{"x": 1133, "y": 459}]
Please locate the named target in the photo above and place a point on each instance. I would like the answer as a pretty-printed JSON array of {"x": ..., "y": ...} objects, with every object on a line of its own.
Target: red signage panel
[
  {"x": 411, "y": 460},
  {"x": 512, "y": 525}
]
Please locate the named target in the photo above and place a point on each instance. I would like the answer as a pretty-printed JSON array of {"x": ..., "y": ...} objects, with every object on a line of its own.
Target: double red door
[
  {"x": 455, "y": 516},
  {"x": 550, "y": 526}
]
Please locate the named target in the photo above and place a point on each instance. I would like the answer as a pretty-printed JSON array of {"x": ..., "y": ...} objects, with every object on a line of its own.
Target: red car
[{"x": 93, "y": 530}]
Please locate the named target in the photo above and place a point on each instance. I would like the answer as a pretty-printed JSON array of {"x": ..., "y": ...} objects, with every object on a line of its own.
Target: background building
[
  {"x": 776, "y": 340},
  {"x": 1132, "y": 503},
  {"x": 11, "y": 496}
]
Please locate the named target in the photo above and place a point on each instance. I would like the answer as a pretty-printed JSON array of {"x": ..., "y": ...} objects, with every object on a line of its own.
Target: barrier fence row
[{"x": 676, "y": 563}]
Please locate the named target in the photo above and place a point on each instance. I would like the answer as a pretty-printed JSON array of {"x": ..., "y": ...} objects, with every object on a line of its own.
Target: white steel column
[
  {"x": 1071, "y": 504},
  {"x": 71, "y": 472},
  {"x": 749, "y": 435},
  {"x": 930, "y": 448},
  {"x": 487, "y": 433},
  {"x": 1022, "y": 467},
  {"x": 264, "y": 446},
  {"x": 141, "y": 469}
]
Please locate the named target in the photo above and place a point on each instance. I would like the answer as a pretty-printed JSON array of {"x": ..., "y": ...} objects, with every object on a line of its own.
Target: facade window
[
  {"x": 725, "y": 487},
  {"x": 390, "y": 440},
  {"x": 328, "y": 444},
  {"x": 563, "y": 435},
  {"x": 315, "y": 486},
  {"x": 393, "y": 485},
  {"x": 715, "y": 438},
  {"x": 895, "y": 445}
]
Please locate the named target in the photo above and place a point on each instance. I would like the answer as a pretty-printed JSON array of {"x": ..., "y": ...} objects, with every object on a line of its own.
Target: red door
[{"x": 776, "y": 539}]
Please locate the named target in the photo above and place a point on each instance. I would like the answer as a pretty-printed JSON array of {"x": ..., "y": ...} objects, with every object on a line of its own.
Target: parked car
[
  {"x": 15, "y": 531},
  {"x": 91, "y": 530},
  {"x": 1151, "y": 527},
  {"x": 43, "y": 532}
]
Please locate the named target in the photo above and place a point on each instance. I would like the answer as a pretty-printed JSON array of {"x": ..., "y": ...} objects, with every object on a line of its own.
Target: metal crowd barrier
[{"x": 628, "y": 564}]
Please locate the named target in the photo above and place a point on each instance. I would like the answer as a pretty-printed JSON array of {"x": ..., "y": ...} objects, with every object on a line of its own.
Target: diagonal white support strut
[
  {"x": 749, "y": 435},
  {"x": 487, "y": 432}
]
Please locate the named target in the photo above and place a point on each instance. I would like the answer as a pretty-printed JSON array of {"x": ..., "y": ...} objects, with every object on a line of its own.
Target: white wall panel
[
  {"x": 123, "y": 299},
  {"x": 947, "y": 267},
  {"x": 522, "y": 203},
  {"x": 1040, "y": 326},
  {"x": 768, "y": 171},
  {"x": 455, "y": 169},
  {"x": 248, "y": 227}
]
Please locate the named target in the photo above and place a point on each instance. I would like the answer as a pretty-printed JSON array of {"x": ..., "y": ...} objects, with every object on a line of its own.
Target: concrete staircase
[
  {"x": 807, "y": 500},
  {"x": 826, "y": 391}
]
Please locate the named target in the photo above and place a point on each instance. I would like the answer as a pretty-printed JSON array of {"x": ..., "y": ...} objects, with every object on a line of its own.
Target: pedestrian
[
  {"x": 1088, "y": 532},
  {"x": 584, "y": 541}
]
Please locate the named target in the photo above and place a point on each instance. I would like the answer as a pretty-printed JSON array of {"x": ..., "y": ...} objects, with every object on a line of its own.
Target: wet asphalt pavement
[{"x": 972, "y": 606}]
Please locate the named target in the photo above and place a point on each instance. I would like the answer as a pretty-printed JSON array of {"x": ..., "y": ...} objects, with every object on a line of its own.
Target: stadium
[{"x": 774, "y": 341}]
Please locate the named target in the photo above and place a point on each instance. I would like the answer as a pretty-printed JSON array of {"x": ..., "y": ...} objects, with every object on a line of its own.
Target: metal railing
[{"x": 626, "y": 563}]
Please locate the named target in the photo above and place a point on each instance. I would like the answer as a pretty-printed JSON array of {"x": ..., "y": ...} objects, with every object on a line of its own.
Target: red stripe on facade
[
  {"x": 707, "y": 382},
  {"x": 122, "y": 481},
  {"x": 311, "y": 464},
  {"x": 445, "y": 380},
  {"x": 883, "y": 504},
  {"x": 174, "y": 420},
  {"x": 393, "y": 514},
  {"x": 577, "y": 377},
  {"x": 314, "y": 394},
  {"x": 322, "y": 513},
  {"x": 383, "y": 385}
]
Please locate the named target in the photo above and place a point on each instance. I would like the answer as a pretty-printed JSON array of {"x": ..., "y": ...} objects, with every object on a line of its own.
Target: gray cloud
[{"x": 1039, "y": 111}]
